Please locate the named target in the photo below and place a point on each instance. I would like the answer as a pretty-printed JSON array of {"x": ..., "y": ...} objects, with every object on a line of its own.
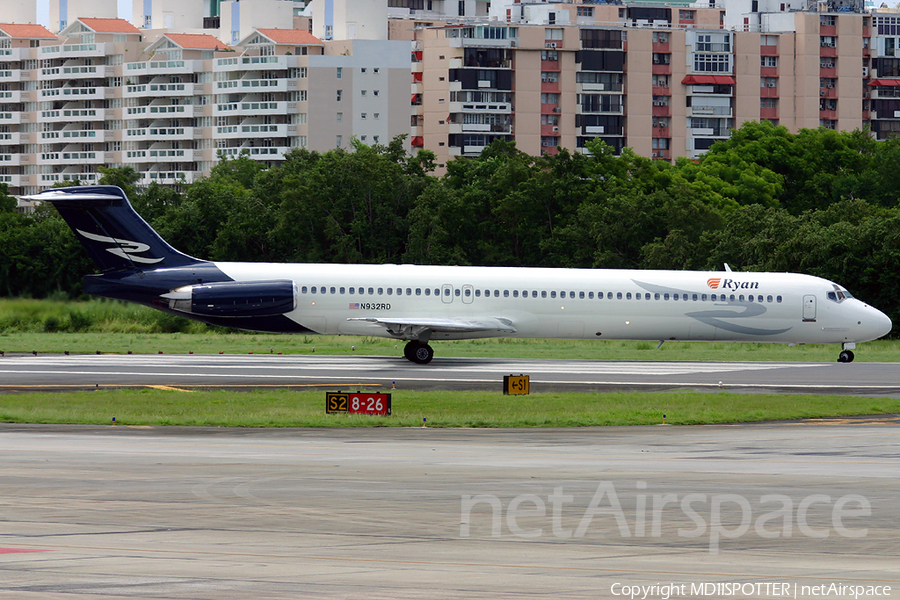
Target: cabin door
[{"x": 809, "y": 307}]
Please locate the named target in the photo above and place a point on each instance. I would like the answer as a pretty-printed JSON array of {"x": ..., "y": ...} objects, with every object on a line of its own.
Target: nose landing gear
[{"x": 845, "y": 356}]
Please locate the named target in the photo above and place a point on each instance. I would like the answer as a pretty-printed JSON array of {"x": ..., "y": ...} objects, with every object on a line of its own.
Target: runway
[
  {"x": 106, "y": 512},
  {"x": 49, "y": 372}
]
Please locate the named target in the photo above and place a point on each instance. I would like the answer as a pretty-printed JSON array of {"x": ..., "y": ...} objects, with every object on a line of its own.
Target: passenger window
[
  {"x": 496, "y": 293},
  {"x": 581, "y": 295},
  {"x": 332, "y": 290},
  {"x": 544, "y": 294},
  {"x": 741, "y": 297},
  {"x": 666, "y": 296},
  {"x": 694, "y": 297},
  {"x": 590, "y": 295},
  {"x": 478, "y": 293},
  {"x": 777, "y": 298},
  {"x": 303, "y": 289},
  {"x": 371, "y": 291},
  {"x": 769, "y": 299},
  {"x": 656, "y": 296},
  {"x": 409, "y": 291},
  {"x": 553, "y": 294},
  {"x": 468, "y": 293},
  {"x": 427, "y": 291},
  {"x": 437, "y": 292},
  {"x": 313, "y": 289},
  {"x": 534, "y": 293},
  {"x": 703, "y": 297},
  {"x": 618, "y": 295},
  {"x": 628, "y": 296},
  {"x": 751, "y": 297},
  {"x": 759, "y": 298},
  {"x": 599, "y": 295},
  {"x": 352, "y": 290},
  {"x": 456, "y": 292},
  {"x": 731, "y": 297},
  {"x": 390, "y": 291},
  {"x": 446, "y": 292},
  {"x": 506, "y": 293},
  {"x": 343, "y": 291},
  {"x": 515, "y": 293}
]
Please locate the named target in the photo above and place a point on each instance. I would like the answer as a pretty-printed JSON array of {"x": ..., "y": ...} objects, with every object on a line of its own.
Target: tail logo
[
  {"x": 714, "y": 282},
  {"x": 123, "y": 248}
]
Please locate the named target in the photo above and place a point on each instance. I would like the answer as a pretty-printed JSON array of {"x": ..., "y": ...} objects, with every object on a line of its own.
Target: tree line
[{"x": 819, "y": 201}]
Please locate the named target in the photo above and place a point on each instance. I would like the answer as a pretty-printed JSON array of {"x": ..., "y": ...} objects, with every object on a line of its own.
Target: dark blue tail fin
[{"x": 115, "y": 236}]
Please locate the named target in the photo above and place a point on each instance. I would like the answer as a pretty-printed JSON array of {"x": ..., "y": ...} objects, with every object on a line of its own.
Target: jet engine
[{"x": 235, "y": 298}]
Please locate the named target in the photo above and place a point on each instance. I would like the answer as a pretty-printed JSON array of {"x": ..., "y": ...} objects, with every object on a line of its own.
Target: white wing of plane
[{"x": 401, "y": 326}]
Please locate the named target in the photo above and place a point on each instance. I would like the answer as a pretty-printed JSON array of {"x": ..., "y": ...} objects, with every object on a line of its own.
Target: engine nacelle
[{"x": 235, "y": 298}]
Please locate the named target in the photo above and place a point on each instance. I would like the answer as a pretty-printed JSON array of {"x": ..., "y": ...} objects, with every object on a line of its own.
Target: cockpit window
[{"x": 839, "y": 295}]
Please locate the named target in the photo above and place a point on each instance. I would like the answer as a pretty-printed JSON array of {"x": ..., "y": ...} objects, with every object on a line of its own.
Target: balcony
[
  {"x": 12, "y": 97},
  {"x": 493, "y": 107},
  {"x": 713, "y": 111},
  {"x": 495, "y": 128},
  {"x": 662, "y": 90},
  {"x": 661, "y": 110},
  {"x": 768, "y": 92},
  {"x": 828, "y": 92},
  {"x": 167, "y": 177},
  {"x": 257, "y": 153},
  {"x": 661, "y": 48},
  {"x": 246, "y": 63},
  {"x": 828, "y": 114},
  {"x": 768, "y": 71},
  {"x": 768, "y": 113},
  {"x": 768, "y": 50},
  {"x": 828, "y": 51},
  {"x": 661, "y": 69},
  {"x": 660, "y": 132},
  {"x": 70, "y": 158},
  {"x": 10, "y": 118},
  {"x": 156, "y": 90},
  {"x": 153, "y": 134},
  {"x": 549, "y": 86}
]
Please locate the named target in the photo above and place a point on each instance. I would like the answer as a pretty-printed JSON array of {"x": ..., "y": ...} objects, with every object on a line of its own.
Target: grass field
[{"x": 282, "y": 408}]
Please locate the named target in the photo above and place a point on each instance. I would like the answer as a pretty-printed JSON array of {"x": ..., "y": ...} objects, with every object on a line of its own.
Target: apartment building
[
  {"x": 665, "y": 81},
  {"x": 103, "y": 94}
]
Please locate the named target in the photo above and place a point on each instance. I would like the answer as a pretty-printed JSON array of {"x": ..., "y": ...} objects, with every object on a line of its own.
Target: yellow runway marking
[{"x": 170, "y": 388}]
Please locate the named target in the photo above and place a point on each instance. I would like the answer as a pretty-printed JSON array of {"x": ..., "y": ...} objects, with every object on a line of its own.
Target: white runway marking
[{"x": 372, "y": 365}]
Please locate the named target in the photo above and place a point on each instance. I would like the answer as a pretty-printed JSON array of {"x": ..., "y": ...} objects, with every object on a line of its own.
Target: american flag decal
[{"x": 354, "y": 306}]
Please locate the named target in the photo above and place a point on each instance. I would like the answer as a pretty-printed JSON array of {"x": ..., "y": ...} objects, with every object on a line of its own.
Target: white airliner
[{"x": 419, "y": 304}]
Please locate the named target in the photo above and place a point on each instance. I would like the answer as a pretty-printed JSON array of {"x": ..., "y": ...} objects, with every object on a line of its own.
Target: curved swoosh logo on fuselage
[{"x": 713, "y": 317}]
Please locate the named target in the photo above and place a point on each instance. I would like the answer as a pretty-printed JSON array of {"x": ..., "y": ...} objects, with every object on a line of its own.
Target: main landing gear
[
  {"x": 418, "y": 352},
  {"x": 845, "y": 356}
]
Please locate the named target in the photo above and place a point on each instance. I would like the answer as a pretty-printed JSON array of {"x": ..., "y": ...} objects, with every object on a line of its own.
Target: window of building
[
  {"x": 768, "y": 61},
  {"x": 340, "y": 94}
]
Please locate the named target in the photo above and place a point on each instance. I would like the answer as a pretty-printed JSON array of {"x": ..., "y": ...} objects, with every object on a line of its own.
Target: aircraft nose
[{"x": 882, "y": 323}]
